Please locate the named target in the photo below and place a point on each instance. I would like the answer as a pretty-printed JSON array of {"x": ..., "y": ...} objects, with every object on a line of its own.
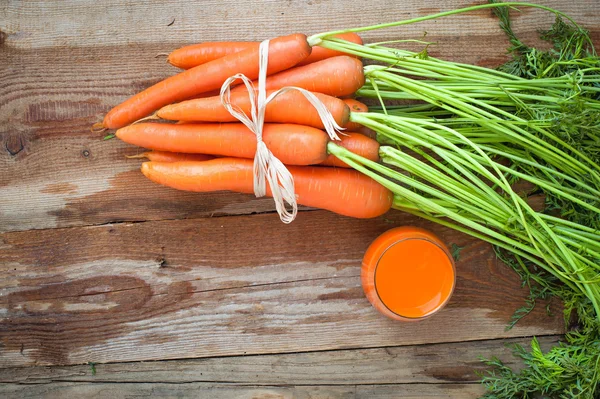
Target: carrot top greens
[{"x": 464, "y": 135}]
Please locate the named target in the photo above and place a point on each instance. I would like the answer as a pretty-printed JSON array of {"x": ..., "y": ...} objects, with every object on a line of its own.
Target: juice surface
[{"x": 414, "y": 277}]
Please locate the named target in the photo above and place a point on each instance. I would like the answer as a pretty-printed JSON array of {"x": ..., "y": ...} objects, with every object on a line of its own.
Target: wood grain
[
  {"x": 228, "y": 286},
  {"x": 227, "y": 391},
  {"x": 421, "y": 364},
  {"x": 42, "y": 24},
  {"x": 60, "y": 74}
]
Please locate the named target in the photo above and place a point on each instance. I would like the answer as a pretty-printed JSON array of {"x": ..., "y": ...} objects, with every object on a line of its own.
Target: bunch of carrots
[{"x": 197, "y": 145}]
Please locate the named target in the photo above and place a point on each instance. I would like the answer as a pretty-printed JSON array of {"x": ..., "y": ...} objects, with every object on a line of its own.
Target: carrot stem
[{"x": 315, "y": 40}]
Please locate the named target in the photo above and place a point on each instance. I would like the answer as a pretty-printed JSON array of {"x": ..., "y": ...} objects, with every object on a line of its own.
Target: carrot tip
[
  {"x": 151, "y": 117},
  {"x": 161, "y": 55},
  {"x": 98, "y": 127},
  {"x": 143, "y": 155}
]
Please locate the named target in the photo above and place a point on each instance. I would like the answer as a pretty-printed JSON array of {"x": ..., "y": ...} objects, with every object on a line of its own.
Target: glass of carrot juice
[{"x": 408, "y": 273}]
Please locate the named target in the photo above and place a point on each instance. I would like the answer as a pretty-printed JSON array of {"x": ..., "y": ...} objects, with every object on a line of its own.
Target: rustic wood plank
[
  {"x": 423, "y": 364},
  {"x": 228, "y": 286},
  {"x": 418, "y": 391},
  {"x": 225, "y": 391},
  {"x": 58, "y": 78},
  {"x": 42, "y": 24}
]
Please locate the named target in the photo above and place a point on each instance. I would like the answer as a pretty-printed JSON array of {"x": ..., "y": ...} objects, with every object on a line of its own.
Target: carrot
[
  {"x": 166, "y": 156},
  {"x": 343, "y": 191},
  {"x": 211, "y": 93},
  {"x": 359, "y": 144},
  {"x": 337, "y": 76},
  {"x": 291, "y": 144},
  {"x": 197, "y": 54},
  {"x": 355, "y": 106},
  {"x": 355, "y": 142},
  {"x": 320, "y": 53},
  {"x": 284, "y": 52},
  {"x": 288, "y": 107}
]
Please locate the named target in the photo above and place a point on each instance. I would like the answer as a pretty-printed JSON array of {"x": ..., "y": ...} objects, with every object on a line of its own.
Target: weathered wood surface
[
  {"x": 421, "y": 364},
  {"x": 225, "y": 286},
  {"x": 227, "y": 391},
  {"x": 36, "y": 24},
  {"x": 64, "y": 64},
  {"x": 183, "y": 282}
]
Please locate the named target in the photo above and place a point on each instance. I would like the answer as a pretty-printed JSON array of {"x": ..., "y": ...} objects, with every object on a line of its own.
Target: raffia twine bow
[{"x": 267, "y": 168}]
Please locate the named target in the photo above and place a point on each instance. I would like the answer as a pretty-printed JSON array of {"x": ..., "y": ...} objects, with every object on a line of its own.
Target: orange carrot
[
  {"x": 288, "y": 107},
  {"x": 320, "y": 53},
  {"x": 166, "y": 156},
  {"x": 197, "y": 54},
  {"x": 284, "y": 52},
  {"x": 355, "y": 106},
  {"x": 343, "y": 191},
  {"x": 211, "y": 93},
  {"x": 359, "y": 144},
  {"x": 291, "y": 144},
  {"x": 337, "y": 76}
]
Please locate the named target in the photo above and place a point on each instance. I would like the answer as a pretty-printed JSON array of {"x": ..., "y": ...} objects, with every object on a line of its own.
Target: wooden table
[{"x": 112, "y": 286}]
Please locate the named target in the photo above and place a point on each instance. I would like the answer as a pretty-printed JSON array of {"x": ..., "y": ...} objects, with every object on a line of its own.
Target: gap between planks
[
  {"x": 239, "y": 287},
  {"x": 115, "y": 223}
]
